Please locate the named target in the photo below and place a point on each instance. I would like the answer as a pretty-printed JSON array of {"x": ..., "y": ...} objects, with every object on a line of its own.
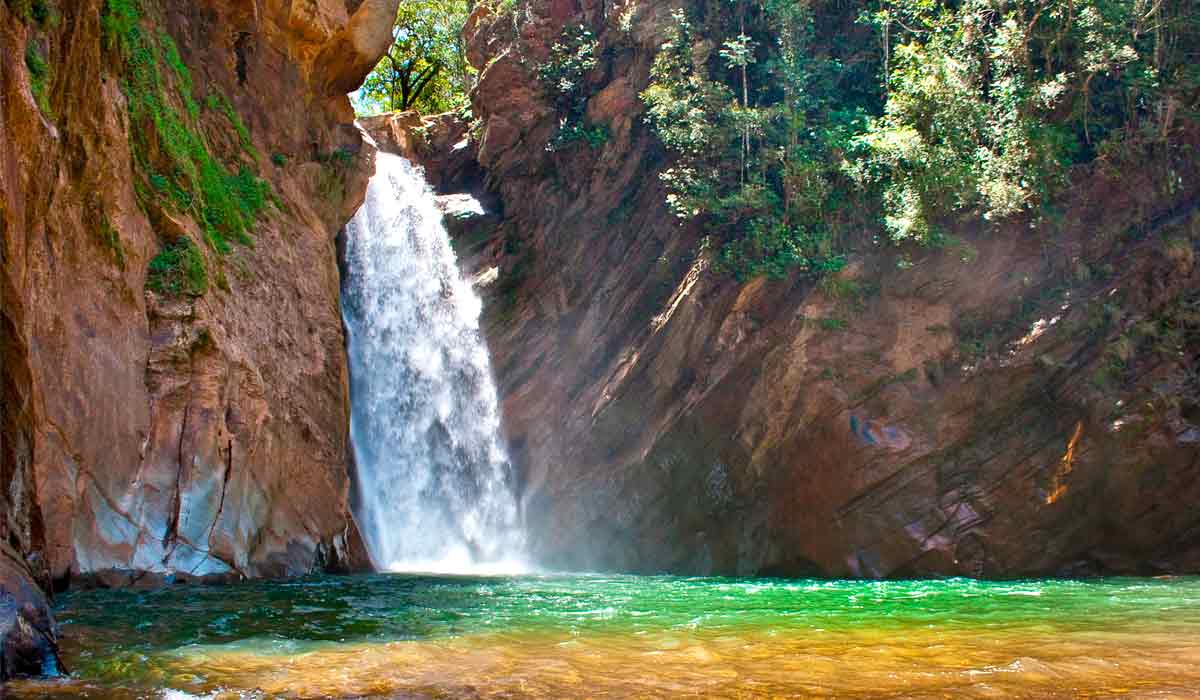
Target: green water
[{"x": 627, "y": 636}]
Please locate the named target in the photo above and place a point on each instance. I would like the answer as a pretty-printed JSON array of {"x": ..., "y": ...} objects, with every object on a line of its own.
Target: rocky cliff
[
  {"x": 172, "y": 178},
  {"x": 1023, "y": 402}
]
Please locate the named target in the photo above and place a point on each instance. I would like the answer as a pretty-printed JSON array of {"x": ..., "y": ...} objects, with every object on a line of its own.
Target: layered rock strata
[
  {"x": 1023, "y": 403},
  {"x": 147, "y": 434}
]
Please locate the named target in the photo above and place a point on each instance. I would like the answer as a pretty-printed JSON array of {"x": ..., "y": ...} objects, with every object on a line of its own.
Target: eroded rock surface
[
  {"x": 28, "y": 635},
  {"x": 991, "y": 408},
  {"x": 149, "y": 436}
]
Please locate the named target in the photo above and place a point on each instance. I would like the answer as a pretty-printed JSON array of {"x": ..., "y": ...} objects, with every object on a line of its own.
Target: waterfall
[{"x": 434, "y": 486}]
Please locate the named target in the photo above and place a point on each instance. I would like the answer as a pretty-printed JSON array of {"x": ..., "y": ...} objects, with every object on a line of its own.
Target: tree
[
  {"x": 426, "y": 67},
  {"x": 739, "y": 53}
]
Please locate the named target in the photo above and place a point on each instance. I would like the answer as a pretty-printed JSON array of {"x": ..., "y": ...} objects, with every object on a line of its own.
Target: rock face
[
  {"x": 174, "y": 436},
  {"x": 28, "y": 636},
  {"x": 1024, "y": 403}
]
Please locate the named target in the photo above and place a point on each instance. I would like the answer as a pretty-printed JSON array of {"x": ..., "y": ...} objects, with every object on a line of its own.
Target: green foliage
[
  {"x": 990, "y": 103},
  {"x": 426, "y": 68},
  {"x": 119, "y": 19},
  {"x": 569, "y": 134},
  {"x": 168, "y": 147},
  {"x": 565, "y": 70},
  {"x": 21, "y": 8},
  {"x": 563, "y": 76},
  {"x": 39, "y": 77},
  {"x": 791, "y": 124},
  {"x": 279, "y": 160},
  {"x": 339, "y": 158},
  {"x": 110, "y": 238},
  {"x": 183, "y": 76},
  {"x": 757, "y": 130},
  {"x": 332, "y": 182},
  {"x": 220, "y": 103},
  {"x": 178, "y": 270}
]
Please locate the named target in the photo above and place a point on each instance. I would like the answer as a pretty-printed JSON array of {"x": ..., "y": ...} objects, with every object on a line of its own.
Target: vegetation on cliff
[
  {"x": 171, "y": 152},
  {"x": 564, "y": 75},
  {"x": 37, "y": 11},
  {"x": 793, "y": 124}
]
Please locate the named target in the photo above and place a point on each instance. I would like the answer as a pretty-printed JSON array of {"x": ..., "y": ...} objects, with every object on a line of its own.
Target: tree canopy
[
  {"x": 425, "y": 69},
  {"x": 793, "y": 124}
]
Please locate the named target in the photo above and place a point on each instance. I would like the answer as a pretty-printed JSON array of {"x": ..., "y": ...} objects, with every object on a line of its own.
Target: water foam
[{"x": 434, "y": 485}]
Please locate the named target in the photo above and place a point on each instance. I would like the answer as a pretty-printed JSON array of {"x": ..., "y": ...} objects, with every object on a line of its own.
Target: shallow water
[{"x": 628, "y": 636}]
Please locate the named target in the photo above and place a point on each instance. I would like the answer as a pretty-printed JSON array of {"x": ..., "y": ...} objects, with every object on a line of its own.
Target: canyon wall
[
  {"x": 1023, "y": 402},
  {"x": 175, "y": 398}
]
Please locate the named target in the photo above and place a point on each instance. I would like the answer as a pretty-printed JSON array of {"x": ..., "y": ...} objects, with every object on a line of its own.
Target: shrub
[
  {"x": 178, "y": 270},
  {"x": 39, "y": 77},
  {"x": 564, "y": 78},
  {"x": 110, "y": 238},
  {"x": 593, "y": 136},
  {"x": 757, "y": 130}
]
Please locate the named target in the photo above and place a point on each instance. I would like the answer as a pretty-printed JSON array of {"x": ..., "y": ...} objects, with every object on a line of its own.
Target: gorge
[{"x": 235, "y": 346}]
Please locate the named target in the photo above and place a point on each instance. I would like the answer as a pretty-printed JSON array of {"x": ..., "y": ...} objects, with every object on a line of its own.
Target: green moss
[
  {"x": 332, "y": 182},
  {"x": 39, "y": 77},
  {"x": 279, "y": 159},
  {"x": 178, "y": 270},
  {"x": 340, "y": 158},
  {"x": 169, "y": 148},
  {"x": 119, "y": 19},
  {"x": 219, "y": 103},
  {"x": 183, "y": 75},
  {"x": 110, "y": 238}
]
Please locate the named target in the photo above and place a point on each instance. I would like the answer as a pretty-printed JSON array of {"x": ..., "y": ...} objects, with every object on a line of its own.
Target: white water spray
[{"x": 434, "y": 482}]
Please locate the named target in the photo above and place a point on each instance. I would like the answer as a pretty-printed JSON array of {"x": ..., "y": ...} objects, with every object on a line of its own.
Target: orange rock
[{"x": 185, "y": 437}]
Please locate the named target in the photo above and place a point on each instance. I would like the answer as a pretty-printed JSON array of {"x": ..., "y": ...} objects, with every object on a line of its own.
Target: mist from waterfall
[{"x": 434, "y": 485}]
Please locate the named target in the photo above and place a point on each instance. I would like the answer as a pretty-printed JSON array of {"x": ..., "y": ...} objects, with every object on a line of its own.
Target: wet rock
[
  {"x": 466, "y": 219},
  {"x": 440, "y": 144},
  {"x": 28, "y": 634}
]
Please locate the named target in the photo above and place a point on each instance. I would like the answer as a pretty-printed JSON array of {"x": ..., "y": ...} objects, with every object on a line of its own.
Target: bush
[
  {"x": 110, "y": 238},
  {"x": 568, "y": 135},
  {"x": 564, "y": 77},
  {"x": 178, "y": 270},
  {"x": 39, "y": 77}
]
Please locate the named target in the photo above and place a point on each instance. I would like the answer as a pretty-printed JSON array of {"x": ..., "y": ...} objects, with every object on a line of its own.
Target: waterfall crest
[{"x": 434, "y": 486}]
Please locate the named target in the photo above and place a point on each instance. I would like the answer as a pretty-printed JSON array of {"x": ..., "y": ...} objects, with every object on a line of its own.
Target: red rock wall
[
  {"x": 191, "y": 436},
  {"x": 992, "y": 408}
]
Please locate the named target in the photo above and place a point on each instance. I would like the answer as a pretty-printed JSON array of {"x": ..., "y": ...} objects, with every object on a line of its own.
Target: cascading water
[{"x": 433, "y": 479}]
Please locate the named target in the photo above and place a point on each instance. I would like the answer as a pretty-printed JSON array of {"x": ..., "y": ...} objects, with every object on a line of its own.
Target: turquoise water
[{"x": 628, "y": 636}]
